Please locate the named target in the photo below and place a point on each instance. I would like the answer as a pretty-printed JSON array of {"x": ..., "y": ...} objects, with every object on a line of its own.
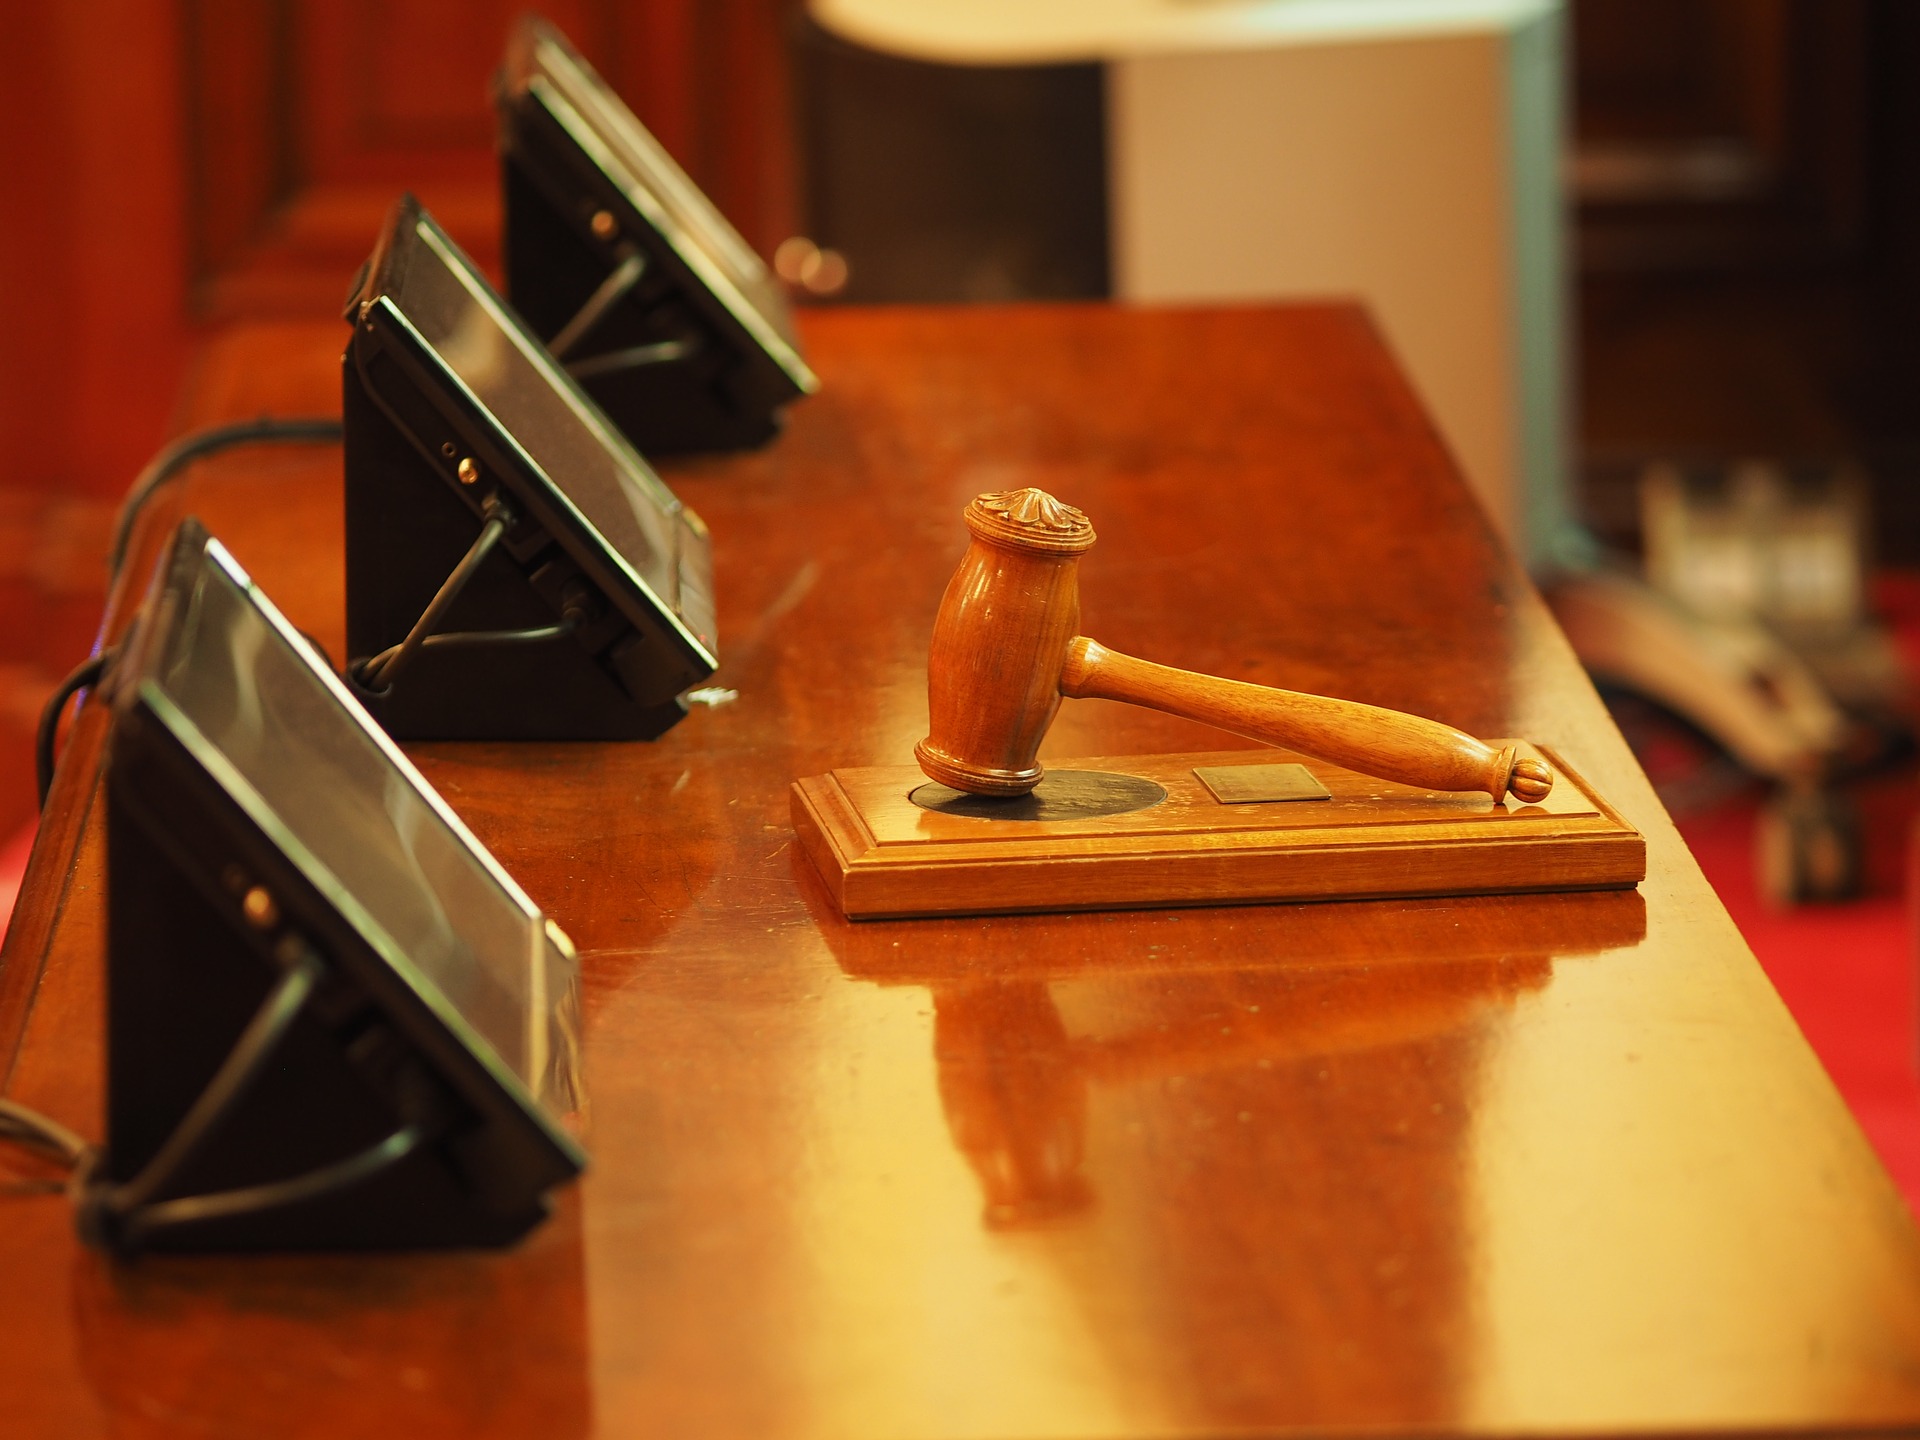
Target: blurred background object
[
  {"x": 1746, "y": 187},
  {"x": 1752, "y": 627},
  {"x": 1162, "y": 152},
  {"x": 1786, "y": 547},
  {"x": 1741, "y": 198}
]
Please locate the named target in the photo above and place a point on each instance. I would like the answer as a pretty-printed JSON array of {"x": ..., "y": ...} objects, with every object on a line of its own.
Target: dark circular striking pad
[{"x": 1060, "y": 795}]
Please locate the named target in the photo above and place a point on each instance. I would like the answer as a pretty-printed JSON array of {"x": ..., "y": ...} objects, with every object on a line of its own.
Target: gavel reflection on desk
[
  {"x": 1014, "y": 1083},
  {"x": 1035, "y": 1015},
  {"x": 1006, "y": 648}
]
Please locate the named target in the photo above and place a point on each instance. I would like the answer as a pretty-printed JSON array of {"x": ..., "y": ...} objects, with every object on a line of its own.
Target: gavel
[{"x": 1006, "y": 648}]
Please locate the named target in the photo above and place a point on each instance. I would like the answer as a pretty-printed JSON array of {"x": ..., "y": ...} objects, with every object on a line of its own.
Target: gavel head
[{"x": 1000, "y": 640}]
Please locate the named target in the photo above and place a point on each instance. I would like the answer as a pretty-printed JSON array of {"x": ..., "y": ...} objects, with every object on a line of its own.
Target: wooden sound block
[{"x": 882, "y": 854}]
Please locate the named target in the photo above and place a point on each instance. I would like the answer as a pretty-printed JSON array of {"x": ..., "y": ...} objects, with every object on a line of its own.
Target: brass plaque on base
[
  {"x": 1248, "y": 784},
  {"x": 884, "y": 853}
]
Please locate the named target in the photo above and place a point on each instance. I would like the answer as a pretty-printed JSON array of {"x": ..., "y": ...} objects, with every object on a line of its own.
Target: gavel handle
[{"x": 1366, "y": 738}]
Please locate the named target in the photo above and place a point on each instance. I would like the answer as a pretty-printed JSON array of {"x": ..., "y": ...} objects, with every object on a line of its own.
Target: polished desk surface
[{"x": 1542, "y": 1164}]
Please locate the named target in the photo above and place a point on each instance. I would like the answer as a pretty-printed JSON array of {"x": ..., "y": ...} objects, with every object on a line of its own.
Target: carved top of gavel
[{"x": 1006, "y": 647}]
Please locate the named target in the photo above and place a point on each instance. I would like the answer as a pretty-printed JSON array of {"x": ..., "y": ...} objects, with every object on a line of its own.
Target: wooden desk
[{"x": 1547, "y": 1164}]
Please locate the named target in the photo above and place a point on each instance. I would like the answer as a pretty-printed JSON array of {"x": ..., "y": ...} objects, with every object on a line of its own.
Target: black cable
[
  {"x": 379, "y": 672},
  {"x": 47, "y": 1136},
  {"x": 533, "y": 634},
  {"x": 268, "y": 430},
  {"x": 277, "y": 1194},
  {"x": 35, "y": 1187},
  {"x": 125, "y": 1216},
  {"x": 250, "y": 1052},
  {"x": 528, "y": 636},
  {"x": 41, "y": 1132},
  {"x": 86, "y": 673},
  {"x": 468, "y": 637}
]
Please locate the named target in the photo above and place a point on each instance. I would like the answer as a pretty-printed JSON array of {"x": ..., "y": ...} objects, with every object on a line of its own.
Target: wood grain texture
[
  {"x": 305, "y": 120},
  {"x": 1546, "y": 1164},
  {"x": 93, "y": 335},
  {"x": 1367, "y": 738},
  {"x": 999, "y": 640},
  {"x": 881, "y": 854}
]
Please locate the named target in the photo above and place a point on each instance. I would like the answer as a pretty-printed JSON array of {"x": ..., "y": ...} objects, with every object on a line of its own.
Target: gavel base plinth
[{"x": 882, "y": 855}]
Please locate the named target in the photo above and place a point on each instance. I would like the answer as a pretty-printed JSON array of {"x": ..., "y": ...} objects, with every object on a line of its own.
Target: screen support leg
[
  {"x": 379, "y": 673},
  {"x": 611, "y": 291},
  {"x": 123, "y": 1217}
]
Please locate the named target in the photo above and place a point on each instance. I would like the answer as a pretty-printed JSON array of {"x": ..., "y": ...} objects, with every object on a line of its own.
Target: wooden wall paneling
[
  {"x": 1719, "y": 132},
  {"x": 648, "y": 59},
  {"x": 318, "y": 112},
  {"x": 1671, "y": 73},
  {"x": 397, "y": 90},
  {"x": 1833, "y": 148},
  {"x": 370, "y": 99},
  {"x": 237, "y": 65},
  {"x": 92, "y": 331},
  {"x": 36, "y": 263},
  {"x": 91, "y": 223},
  {"x": 1891, "y": 377},
  {"x": 747, "y": 159},
  {"x": 381, "y": 98}
]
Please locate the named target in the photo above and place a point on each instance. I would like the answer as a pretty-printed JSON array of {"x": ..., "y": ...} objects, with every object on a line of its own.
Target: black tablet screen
[
  {"x": 456, "y": 313},
  {"x": 352, "y": 812}
]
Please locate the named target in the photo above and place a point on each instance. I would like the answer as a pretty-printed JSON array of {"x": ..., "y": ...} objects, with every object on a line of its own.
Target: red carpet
[{"x": 1845, "y": 971}]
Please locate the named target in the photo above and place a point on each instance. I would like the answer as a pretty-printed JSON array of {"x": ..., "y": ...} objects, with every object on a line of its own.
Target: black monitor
[
  {"x": 593, "y": 609},
  {"x": 640, "y": 286},
  {"x": 333, "y": 1019}
]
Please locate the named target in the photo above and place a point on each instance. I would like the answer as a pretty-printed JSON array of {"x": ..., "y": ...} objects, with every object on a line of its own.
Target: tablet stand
[
  {"x": 644, "y": 351},
  {"x": 566, "y": 667},
  {"x": 256, "y": 1100}
]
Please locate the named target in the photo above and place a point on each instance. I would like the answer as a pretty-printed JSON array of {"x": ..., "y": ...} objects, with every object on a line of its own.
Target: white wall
[{"x": 1385, "y": 170}]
